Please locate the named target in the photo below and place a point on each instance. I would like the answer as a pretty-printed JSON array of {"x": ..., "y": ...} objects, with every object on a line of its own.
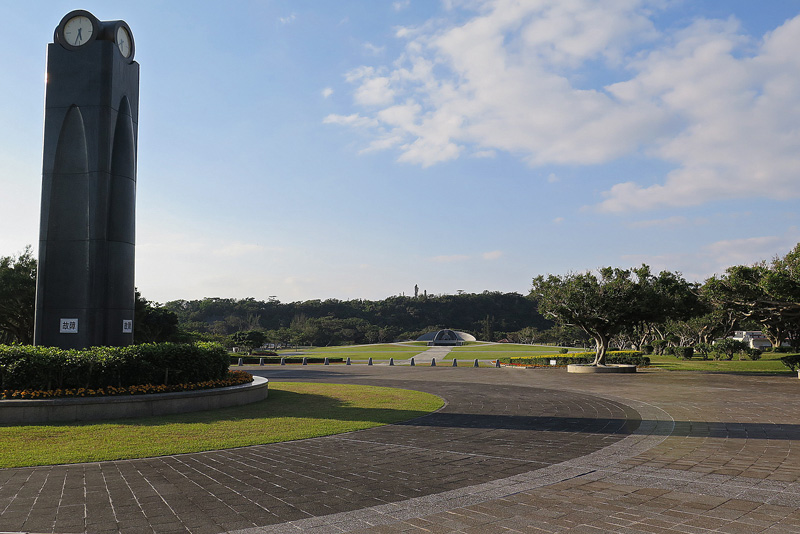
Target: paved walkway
[
  {"x": 439, "y": 353},
  {"x": 512, "y": 451}
]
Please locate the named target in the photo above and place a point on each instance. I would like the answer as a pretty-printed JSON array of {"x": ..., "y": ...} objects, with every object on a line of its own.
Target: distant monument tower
[{"x": 85, "y": 284}]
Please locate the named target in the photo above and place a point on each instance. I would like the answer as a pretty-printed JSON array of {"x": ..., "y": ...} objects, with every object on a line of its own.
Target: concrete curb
[{"x": 16, "y": 412}]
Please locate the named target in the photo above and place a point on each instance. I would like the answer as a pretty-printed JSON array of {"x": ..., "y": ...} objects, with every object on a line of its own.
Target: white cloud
[
  {"x": 355, "y": 120},
  {"x": 493, "y": 255},
  {"x": 553, "y": 178},
  {"x": 717, "y": 106},
  {"x": 740, "y": 116},
  {"x": 400, "y": 5},
  {"x": 287, "y": 20},
  {"x": 492, "y": 83},
  {"x": 327, "y": 92},
  {"x": 558, "y": 220},
  {"x": 747, "y": 251},
  {"x": 373, "y": 49},
  {"x": 714, "y": 258},
  {"x": 374, "y": 90}
]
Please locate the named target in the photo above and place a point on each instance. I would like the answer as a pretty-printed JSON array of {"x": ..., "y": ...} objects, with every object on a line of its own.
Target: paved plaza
[{"x": 512, "y": 451}]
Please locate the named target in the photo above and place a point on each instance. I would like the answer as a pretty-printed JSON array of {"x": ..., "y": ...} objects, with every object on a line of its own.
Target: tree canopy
[
  {"x": 767, "y": 293},
  {"x": 331, "y": 322},
  {"x": 606, "y": 303},
  {"x": 17, "y": 297}
]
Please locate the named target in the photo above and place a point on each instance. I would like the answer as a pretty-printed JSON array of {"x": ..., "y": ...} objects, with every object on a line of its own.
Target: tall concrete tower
[{"x": 85, "y": 283}]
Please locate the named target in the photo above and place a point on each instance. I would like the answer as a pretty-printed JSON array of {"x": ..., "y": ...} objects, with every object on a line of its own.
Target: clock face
[
  {"x": 78, "y": 30},
  {"x": 124, "y": 41}
]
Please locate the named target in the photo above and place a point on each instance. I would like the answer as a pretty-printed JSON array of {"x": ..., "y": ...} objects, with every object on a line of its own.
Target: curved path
[{"x": 513, "y": 450}]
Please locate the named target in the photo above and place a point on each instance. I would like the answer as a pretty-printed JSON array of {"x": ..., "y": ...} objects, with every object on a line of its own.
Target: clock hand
[{"x": 78, "y": 37}]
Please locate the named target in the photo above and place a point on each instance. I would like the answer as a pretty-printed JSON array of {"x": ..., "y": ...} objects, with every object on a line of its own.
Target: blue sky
[{"x": 353, "y": 149}]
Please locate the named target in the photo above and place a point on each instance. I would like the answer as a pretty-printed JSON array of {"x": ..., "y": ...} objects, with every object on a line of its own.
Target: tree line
[
  {"x": 488, "y": 315},
  {"x": 613, "y": 307},
  {"x": 636, "y": 308}
]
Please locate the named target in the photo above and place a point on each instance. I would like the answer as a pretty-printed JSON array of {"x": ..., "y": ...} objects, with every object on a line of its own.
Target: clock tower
[{"x": 85, "y": 283}]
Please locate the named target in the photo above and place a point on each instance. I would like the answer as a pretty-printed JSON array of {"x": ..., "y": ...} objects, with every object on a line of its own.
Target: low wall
[
  {"x": 16, "y": 412},
  {"x": 611, "y": 368}
]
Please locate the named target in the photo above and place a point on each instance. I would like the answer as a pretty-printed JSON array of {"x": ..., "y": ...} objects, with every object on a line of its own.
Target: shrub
[
  {"x": 684, "y": 352},
  {"x": 792, "y": 361},
  {"x": 647, "y": 349},
  {"x": 48, "y": 368},
  {"x": 563, "y": 351},
  {"x": 754, "y": 354},
  {"x": 729, "y": 347},
  {"x": 659, "y": 346},
  {"x": 703, "y": 349},
  {"x": 612, "y": 357}
]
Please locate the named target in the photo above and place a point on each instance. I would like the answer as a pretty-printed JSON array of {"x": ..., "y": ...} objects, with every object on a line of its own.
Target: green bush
[
  {"x": 48, "y": 368},
  {"x": 263, "y": 353},
  {"x": 630, "y": 357},
  {"x": 703, "y": 349},
  {"x": 750, "y": 354},
  {"x": 563, "y": 351},
  {"x": 728, "y": 347},
  {"x": 791, "y": 361}
]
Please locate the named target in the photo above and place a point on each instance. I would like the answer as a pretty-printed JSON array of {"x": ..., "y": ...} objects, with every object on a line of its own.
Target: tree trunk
[
  {"x": 601, "y": 342},
  {"x": 774, "y": 335}
]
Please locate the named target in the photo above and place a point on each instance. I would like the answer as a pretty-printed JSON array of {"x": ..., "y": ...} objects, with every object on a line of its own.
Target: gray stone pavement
[
  {"x": 512, "y": 451},
  {"x": 439, "y": 353}
]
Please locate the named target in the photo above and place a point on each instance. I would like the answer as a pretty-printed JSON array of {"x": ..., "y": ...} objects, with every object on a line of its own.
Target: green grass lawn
[
  {"x": 292, "y": 411},
  {"x": 493, "y": 349},
  {"x": 404, "y": 351},
  {"x": 378, "y": 351},
  {"x": 769, "y": 363}
]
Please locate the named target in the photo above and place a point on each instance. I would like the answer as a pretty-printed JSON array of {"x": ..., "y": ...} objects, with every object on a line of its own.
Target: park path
[
  {"x": 440, "y": 353},
  {"x": 512, "y": 450}
]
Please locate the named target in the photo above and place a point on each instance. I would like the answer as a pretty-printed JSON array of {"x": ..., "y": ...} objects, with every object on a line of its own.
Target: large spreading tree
[
  {"x": 604, "y": 304},
  {"x": 767, "y": 293}
]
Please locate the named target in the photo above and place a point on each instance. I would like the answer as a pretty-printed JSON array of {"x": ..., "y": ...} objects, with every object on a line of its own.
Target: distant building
[
  {"x": 755, "y": 339},
  {"x": 446, "y": 337}
]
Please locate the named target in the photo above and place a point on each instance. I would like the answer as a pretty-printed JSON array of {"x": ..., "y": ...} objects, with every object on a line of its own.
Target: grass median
[
  {"x": 293, "y": 411},
  {"x": 769, "y": 363}
]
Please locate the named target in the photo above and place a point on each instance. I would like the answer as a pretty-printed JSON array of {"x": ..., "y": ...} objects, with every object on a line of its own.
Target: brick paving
[{"x": 512, "y": 451}]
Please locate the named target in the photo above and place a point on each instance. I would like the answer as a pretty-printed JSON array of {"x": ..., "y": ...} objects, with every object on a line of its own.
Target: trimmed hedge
[
  {"x": 48, "y": 368},
  {"x": 629, "y": 357},
  {"x": 792, "y": 361}
]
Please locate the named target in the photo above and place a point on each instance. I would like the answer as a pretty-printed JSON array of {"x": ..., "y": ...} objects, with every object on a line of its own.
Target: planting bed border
[
  {"x": 608, "y": 368},
  {"x": 61, "y": 410}
]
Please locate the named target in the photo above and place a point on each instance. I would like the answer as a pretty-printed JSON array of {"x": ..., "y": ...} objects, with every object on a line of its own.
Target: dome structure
[{"x": 446, "y": 337}]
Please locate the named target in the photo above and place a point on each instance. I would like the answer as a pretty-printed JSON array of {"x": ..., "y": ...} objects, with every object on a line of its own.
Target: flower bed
[{"x": 234, "y": 378}]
